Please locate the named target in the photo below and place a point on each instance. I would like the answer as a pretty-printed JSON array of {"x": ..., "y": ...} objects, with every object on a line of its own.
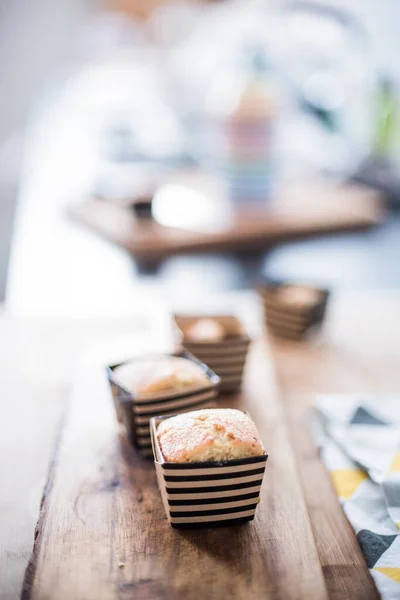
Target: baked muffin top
[
  {"x": 160, "y": 374},
  {"x": 298, "y": 295},
  {"x": 211, "y": 329},
  {"x": 214, "y": 434},
  {"x": 205, "y": 330}
]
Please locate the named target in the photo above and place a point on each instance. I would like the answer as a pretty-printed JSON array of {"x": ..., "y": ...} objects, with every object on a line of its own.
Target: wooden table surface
[{"x": 101, "y": 505}]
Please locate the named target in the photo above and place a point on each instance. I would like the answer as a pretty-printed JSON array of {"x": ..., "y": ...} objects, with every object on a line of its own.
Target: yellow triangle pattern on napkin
[
  {"x": 395, "y": 466},
  {"x": 346, "y": 481},
  {"x": 392, "y": 572}
]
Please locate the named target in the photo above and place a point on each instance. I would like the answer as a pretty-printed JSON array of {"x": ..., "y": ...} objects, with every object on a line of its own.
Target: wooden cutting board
[
  {"x": 300, "y": 209},
  {"x": 103, "y": 534}
]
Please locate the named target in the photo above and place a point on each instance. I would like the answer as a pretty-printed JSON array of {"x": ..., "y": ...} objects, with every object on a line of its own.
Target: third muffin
[{"x": 220, "y": 341}]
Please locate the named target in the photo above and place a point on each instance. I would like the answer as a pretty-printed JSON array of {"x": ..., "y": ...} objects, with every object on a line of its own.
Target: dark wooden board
[
  {"x": 103, "y": 533},
  {"x": 299, "y": 210}
]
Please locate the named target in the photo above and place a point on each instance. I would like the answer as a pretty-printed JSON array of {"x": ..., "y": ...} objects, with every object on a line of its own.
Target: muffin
[
  {"x": 161, "y": 375},
  {"x": 297, "y": 296},
  {"x": 210, "y": 465},
  {"x": 292, "y": 310},
  {"x": 220, "y": 341},
  {"x": 205, "y": 330},
  {"x": 159, "y": 385},
  {"x": 209, "y": 435}
]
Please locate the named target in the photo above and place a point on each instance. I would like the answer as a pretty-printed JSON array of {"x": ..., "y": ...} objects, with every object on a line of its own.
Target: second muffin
[{"x": 159, "y": 385}]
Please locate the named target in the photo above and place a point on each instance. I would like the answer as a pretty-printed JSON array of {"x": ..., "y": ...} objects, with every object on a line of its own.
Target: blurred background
[{"x": 178, "y": 149}]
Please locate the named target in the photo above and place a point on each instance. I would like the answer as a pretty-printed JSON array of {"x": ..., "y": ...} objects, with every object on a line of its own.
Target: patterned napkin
[{"x": 359, "y": 437}]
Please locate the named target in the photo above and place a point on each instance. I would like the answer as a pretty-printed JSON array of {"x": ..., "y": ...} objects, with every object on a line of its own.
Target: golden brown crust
[
  {"x": 161, "y": 374},
  {"x": 209, "y": 435}
]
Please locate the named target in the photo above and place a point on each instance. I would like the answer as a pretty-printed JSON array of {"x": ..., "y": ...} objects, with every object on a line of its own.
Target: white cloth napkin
[{"x": 359, "y": 437}]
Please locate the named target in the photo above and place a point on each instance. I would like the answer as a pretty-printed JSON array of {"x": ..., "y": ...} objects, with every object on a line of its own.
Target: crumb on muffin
[
  {"x": 160, "y": 374},
  {"x": 209, "y": 435}
]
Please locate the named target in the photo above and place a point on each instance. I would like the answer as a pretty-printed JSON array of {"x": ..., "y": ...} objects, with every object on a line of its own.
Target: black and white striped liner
[
  {"x": 286, "y": 325},
  {"x": 290, "y": 320},
  {"x": 226, "y": 358},
  {"x": 135, "y": 412},
  {"x": 208, "y": 494}
]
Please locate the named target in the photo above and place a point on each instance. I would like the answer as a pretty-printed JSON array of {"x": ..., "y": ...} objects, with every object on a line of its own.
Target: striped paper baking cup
[
  {"x": 289, "y": 331},
  {"x": 290, "y": 319},
  {"x": 135, "y": 412},
  {"x": 227, "y": 358},
  {"x": 208, "y": 494}
]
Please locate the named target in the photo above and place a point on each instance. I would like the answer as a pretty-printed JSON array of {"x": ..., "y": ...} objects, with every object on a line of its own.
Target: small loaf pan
[
  {"x": 208, "y": 494},
  {"x": 292, "y": 310},
  {"x": 135, "y": 412},
  {"x": 227, "y": 357}
]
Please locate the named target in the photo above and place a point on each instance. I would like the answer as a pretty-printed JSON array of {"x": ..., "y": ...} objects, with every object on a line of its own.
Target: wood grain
[
  {"x": 102, "y": 506},
  {"x": 37, "y": 357},
  {"x": 104, "y": 509},
  {"x": 297, "y": 212},
  {"x": 342, "y": 561},
  {"x": 356, "y": 353}
]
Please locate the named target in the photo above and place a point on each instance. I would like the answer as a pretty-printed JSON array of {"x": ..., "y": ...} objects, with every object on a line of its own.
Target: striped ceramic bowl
[
  {"x": 227, "y": 357},
  {"x": 135, "y": 412},
  {"x": 208, "y": 494},
  {"x": 292, "y": 310}
]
